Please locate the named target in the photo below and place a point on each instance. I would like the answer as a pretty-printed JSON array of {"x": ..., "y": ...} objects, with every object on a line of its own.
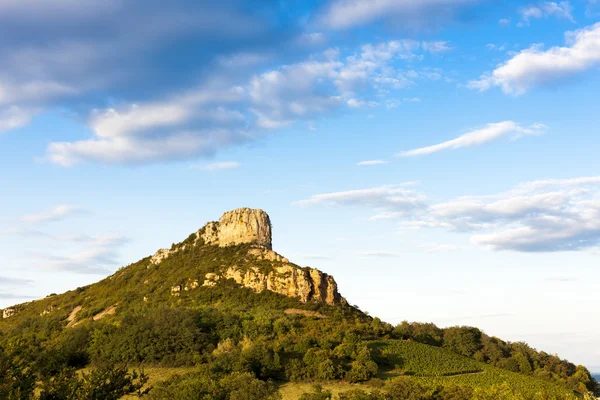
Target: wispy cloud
[
  {"x": 15, "y": 117},
  {"x": 217, "y": 166},
  {"x": 539, "y": 216},
  {"x": 15, "y": 296},
  {"x": 345, "y": 14},
  {"x": 14, "y": 281},
  {"x": 226, "y": 112},
  {"x": 397, "y": 199},
  {"x": 371, "y": 162},
  {"x": 546, "y": 9},
  {"x": 477, "y": 137},
  {"x": 99, "y": 255},
  {"x": 57, "y": 213},
  {"x": 536, "y": 67}
]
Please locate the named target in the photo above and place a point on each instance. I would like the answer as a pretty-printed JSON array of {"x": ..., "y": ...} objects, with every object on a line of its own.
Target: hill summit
[{"x": 262, "y": 269}]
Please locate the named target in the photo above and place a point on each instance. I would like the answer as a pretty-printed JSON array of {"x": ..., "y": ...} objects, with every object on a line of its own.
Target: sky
[{"x": 439, "y": 158}]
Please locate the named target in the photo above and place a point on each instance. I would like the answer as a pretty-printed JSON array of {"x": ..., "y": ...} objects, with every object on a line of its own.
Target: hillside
[{"x": 246, "y": 321}]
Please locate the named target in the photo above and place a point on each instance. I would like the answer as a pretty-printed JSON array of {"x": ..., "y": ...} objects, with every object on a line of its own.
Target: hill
[{"x": 220, "y": 315}]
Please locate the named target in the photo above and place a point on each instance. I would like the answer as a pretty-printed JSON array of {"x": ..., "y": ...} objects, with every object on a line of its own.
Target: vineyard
[
  {"x": 412, "y": 358},
  {"x": 434, "y": 366}
]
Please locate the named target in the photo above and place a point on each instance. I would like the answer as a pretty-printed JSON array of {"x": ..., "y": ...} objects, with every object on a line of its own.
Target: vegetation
[{"x": 241, "y": 345}]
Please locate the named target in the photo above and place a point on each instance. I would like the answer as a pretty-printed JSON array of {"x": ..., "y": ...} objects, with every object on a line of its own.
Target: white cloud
[
  {"x": 504, "y": 21},
  {"x": 217, "y": 166},
  {"x": 535, "y": 67},
  {"x": 56, "y": 214},
  {"x": 439, "y": 46},
  {"x": 539, "y": 216},
  {"x": 477, "y": 137},
  {"x": 545, "y": 10},
  {"x": 550, "y": 215},
  {"x": 385, "y": 198},
  {"x": 200, "y": 122},
  {"x": 372, "y": 162},
  {"x": 344, "y": 14},
  {"x": 15, "y": 117}
]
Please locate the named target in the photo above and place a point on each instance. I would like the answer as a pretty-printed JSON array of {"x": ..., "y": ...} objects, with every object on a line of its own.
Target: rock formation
[
  {"x": 243, "y": 225},
  {"x": 253, "y": 226},
  {"x": 8, "y": 312},
  {"x": 239, "y": 226},
  {"x": 304, "y": 284}
]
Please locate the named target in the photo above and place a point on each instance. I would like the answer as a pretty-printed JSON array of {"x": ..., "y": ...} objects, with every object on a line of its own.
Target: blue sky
[{"x": 439, "y": 157}]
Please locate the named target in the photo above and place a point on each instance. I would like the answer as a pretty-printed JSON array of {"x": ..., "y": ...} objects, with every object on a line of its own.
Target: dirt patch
[
  {"x": 72, "y": 316},
  {"x": 109, "y": 311},
  {"x": 306, "y": 313}
]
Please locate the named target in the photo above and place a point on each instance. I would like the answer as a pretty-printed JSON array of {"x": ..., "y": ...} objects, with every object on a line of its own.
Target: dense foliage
[{"x": 242, "y": 341}]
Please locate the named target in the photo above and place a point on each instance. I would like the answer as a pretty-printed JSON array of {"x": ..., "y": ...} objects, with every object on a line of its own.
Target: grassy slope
[{"x": 129, "y": 286}]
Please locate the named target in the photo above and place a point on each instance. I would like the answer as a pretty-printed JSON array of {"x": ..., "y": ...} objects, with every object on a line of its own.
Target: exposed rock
[
  {"x": 72, "y": 316},
  {"x": 211, "y": 280},
  {"x": 8, "y": 312},
  {"x": 176, "y": 290},
  {"x": 109, "y": 311},
  {"x": 240, "y": 226},
  {"x": 192, "y": 284},
  {"x": 265, "y": 254},
  {"x": 48, "y": 310},
  {"x": 160, "y": 255},
  {"x": 305, "y": 285}
]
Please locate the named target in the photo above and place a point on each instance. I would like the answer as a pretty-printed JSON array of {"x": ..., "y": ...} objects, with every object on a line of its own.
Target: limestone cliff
[
  {"x": 243, "y": 225},
  {"x": 304, "y": 284},
  {"x": 253, "y": 226}
]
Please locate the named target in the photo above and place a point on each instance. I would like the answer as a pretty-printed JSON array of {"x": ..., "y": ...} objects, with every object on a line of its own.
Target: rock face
[
  {"x": 304, "y": 284},
  {"x": 243, "y": 225},
  {"x": 8, "y": 312}
]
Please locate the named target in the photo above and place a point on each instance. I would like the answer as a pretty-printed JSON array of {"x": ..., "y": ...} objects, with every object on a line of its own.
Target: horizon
[{"x": 438, "y": 159}]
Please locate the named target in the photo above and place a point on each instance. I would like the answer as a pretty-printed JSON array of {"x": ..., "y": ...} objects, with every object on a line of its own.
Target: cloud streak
[
  {"x": 345, "y": 14},
  {"x": 477, "y": 137},
  {"x": 546, "y": 9},
  {"x": 371, "y": 162},
  {"x": 57, "y": 213},
  {"x": 212, "y": 167},
  {"x": 385, "y": 198},
  {"x": 99, "y": 255}
]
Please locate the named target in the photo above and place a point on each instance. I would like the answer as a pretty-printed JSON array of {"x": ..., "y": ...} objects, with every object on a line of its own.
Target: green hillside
[{"x": 235, "y": 343}]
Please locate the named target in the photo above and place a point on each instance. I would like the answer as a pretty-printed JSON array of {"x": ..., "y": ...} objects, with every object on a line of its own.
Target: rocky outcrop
[
  {"x": 304, "y": 284},
  {"x": 8, "y": 312},
  {"x": 240, "y": 226},
  {"x": 263, "y": 269}
]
